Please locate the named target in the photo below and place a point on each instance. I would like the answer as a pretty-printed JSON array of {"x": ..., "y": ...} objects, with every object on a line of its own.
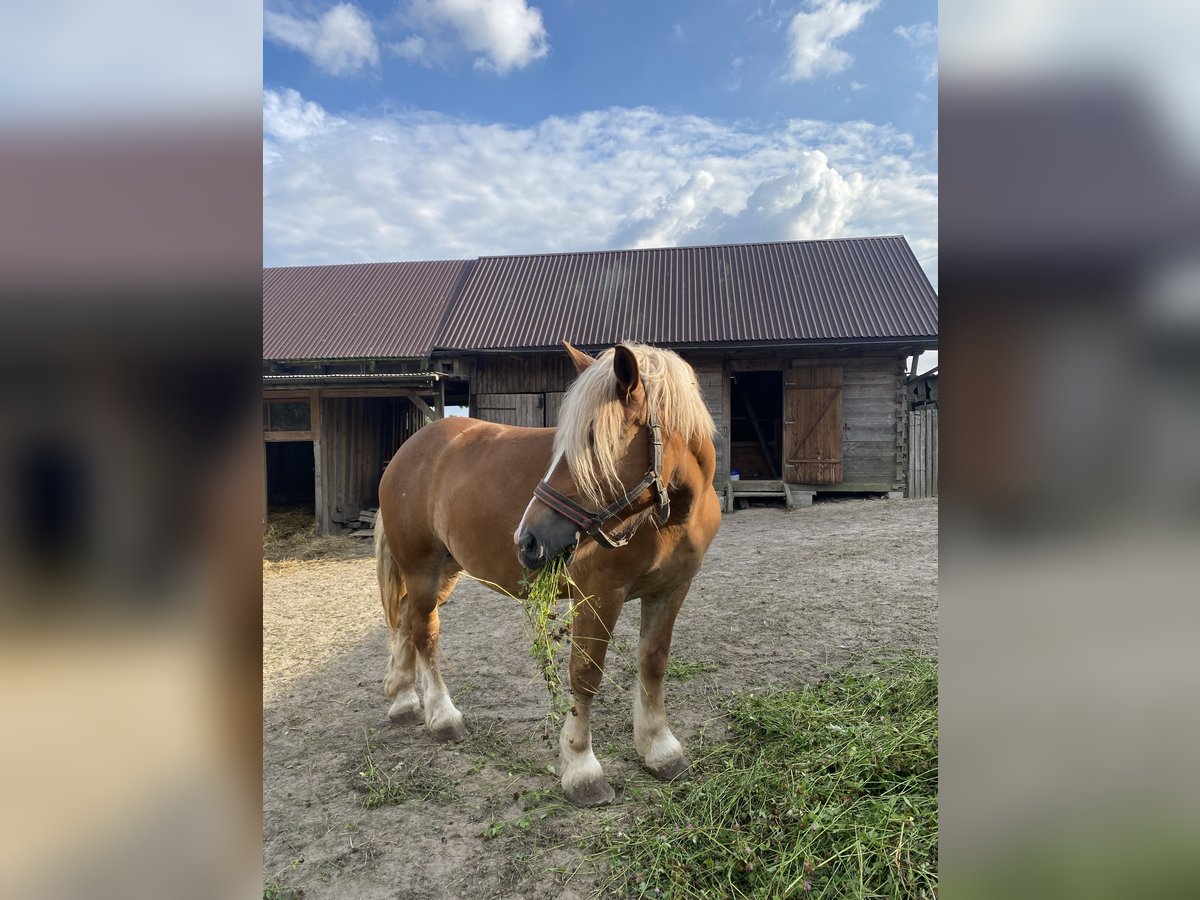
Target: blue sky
[{"x": 452, "y": 128}]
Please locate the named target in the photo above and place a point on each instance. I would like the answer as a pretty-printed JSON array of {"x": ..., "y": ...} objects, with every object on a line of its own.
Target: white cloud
[
  {"x": 923, "y": 36},
  {"x": 501, "y": 35},
  {"x": 917, "y": 35},
  {"x": 813, "y": 36},
  {"x": 416, "y": 185},
  {"x": 289, "y": 117},
  {"x": 341, "y": 42}
]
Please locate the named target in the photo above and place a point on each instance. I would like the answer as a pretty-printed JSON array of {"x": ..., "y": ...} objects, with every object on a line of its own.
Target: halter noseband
[{"x": 593, "y": 523}]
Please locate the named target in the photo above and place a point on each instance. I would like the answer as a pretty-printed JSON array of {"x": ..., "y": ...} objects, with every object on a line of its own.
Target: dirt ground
[{"x": 355, "y": 807}]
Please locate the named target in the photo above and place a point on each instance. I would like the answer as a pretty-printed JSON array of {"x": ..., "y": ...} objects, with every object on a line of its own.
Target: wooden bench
[{"x": 738, "y": 494}]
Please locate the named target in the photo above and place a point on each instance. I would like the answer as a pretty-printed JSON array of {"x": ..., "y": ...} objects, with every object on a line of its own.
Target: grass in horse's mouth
[{"x": 549, "y": 627}]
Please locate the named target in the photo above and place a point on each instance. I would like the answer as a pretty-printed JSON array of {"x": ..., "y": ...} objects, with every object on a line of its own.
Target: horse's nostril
[{"x": 527, "y": 543}]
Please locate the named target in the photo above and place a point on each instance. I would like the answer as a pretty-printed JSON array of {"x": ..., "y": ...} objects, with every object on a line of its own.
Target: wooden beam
[
  {"x": 270, "y": 393},
  {"x": 289, "y": 436},
  {"x": 319, "y": 511},
  {"x": 912, "y": 371},
  {"x": 758, "y": 365},
  {"x": 424, "y": 407}
]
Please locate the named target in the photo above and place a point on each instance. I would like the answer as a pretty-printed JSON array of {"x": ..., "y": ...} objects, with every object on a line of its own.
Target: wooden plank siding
[
  {"x": 359, "y": 435},
  {"x": 533, "y": 373},
  {"x": 874, "y": 444},
  {"x": 713, "y": 382},
  {"x": 525, "y": 409},
  {"x": 923, "y": 452},
  {"x": 873, "y": 403}
]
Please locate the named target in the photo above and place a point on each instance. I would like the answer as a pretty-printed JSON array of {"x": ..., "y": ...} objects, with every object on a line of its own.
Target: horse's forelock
[{"x": 592, "y": 421}]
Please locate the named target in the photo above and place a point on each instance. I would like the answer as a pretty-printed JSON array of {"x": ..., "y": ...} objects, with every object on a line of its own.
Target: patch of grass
[
  {"x": 386, "y": 784},
  {"x": 273, "y": 890},
  {"x": 536, "y": 806},
  {"x": 489, "y": 740},
  {"x": 683, "y": 669},
  {"x": 827, "y": 791}
]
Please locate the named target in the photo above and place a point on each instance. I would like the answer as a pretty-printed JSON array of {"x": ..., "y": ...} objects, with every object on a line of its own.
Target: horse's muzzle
[
  {"x": 530, "y": 553},
  {"x": 538, "y": 544}
]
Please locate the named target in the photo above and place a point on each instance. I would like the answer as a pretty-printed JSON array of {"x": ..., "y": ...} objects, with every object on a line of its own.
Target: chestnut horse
[{"x": 624, "y": 483}]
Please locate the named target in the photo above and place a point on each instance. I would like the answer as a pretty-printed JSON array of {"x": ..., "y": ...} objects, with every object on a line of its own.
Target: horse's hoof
[
  {"x": 591, "y": 793},
  {"x": 449, "y": 732},
  {"x": 670, "y": 770},
  {"x": 406, "y": 711}
]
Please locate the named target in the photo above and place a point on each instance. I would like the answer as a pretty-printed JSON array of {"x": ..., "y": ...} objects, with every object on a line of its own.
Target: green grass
[
  {"x": 385, "y": 784},
  {"x": 683, "y": 669},
  {"x": 548, "y": 627},
  {"x": 827, "y": 791},
  {"x": 536, "y": 806}
]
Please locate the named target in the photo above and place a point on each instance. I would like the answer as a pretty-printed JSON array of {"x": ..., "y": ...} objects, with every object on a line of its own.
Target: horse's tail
[{"x": 391, "y": 579}]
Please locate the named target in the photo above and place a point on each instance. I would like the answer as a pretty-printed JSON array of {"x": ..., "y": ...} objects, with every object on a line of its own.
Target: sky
[{"x": 445, "y": 129}]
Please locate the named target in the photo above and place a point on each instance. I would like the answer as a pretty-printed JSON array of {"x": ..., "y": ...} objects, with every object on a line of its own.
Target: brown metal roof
[
  {"x": 797, "y": 291},
  {"x": 789, "y": 292},
  {"x": 367, "y": 310}
]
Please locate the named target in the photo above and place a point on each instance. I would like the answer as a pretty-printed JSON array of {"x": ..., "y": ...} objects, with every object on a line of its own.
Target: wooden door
[
  {"x": 812, "y": 425},
  {"x": 511, "y": 409},
  {"x": 552, "y": 406}
]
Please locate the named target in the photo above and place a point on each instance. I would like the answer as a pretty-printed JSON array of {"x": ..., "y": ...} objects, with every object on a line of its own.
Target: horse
[{"x": 624, "y": 485}]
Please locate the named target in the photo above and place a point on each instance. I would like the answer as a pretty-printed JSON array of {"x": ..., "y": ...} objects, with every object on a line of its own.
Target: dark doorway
[
  {"x": 291, "y": 475},
  {"x": 756, "y": 431}
]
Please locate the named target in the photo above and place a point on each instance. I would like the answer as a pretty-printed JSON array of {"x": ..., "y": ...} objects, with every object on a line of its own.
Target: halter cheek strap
[{"x": 594, "y": 524}]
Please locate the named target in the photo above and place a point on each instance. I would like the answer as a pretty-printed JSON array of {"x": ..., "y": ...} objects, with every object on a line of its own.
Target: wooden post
[
  {"x": 726, "y": 423},
  {"x": 320, "y": 513},
  {"x": 440, "y": 406},
  {"x": 266, "y": 473}
]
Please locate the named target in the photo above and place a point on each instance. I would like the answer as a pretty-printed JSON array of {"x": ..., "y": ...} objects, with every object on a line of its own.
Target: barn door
[
  {"x": 511, "y": 409},
  {"x": 812, "y": 425}
]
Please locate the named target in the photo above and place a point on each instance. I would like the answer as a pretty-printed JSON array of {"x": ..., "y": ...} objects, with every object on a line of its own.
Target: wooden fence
[{"x": 923, "y": 452}]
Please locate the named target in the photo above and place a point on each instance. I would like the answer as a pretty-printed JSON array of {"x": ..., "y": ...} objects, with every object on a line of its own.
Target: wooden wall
[
  {"x": 923, "y": 452},
  {"x": 874, "y": 423},
  {"x": 521, "y": 390},
  {"x": 359, "y": 435},
  {"x": 527, "y": 389},
  {"x": 873, "y": 419},
  {"x": 711, "y": 375}
]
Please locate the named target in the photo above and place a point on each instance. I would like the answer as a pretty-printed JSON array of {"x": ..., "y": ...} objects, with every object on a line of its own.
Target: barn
[{"x": 799, "y": 347}]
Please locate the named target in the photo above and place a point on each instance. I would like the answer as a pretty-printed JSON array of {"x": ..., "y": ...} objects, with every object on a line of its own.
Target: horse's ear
[
  {"x": 625, "y": 367},
  {"x": 581, "y": 359}
]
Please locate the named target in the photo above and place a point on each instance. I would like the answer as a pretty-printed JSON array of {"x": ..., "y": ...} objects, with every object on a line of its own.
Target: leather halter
[{"x": 593, "y": 523}]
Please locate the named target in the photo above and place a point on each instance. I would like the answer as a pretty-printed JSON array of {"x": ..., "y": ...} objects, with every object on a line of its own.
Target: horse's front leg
[
  {"x": 663, "y": 754},
  {"x": 582, "y": 778}
]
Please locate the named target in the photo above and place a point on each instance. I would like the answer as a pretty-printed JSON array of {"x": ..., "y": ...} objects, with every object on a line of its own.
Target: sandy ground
[{"x": 782, "y": 598}]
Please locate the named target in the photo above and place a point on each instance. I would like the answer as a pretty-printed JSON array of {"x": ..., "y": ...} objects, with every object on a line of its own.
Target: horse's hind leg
[
  {"x": 400, "y": 680},
  {"x": 663, "y": 754},
  {"x": 426, "y": 593}
]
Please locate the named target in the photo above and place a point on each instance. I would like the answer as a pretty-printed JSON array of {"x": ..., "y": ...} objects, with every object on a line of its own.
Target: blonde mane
[{"x": 591, "y": 409}]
